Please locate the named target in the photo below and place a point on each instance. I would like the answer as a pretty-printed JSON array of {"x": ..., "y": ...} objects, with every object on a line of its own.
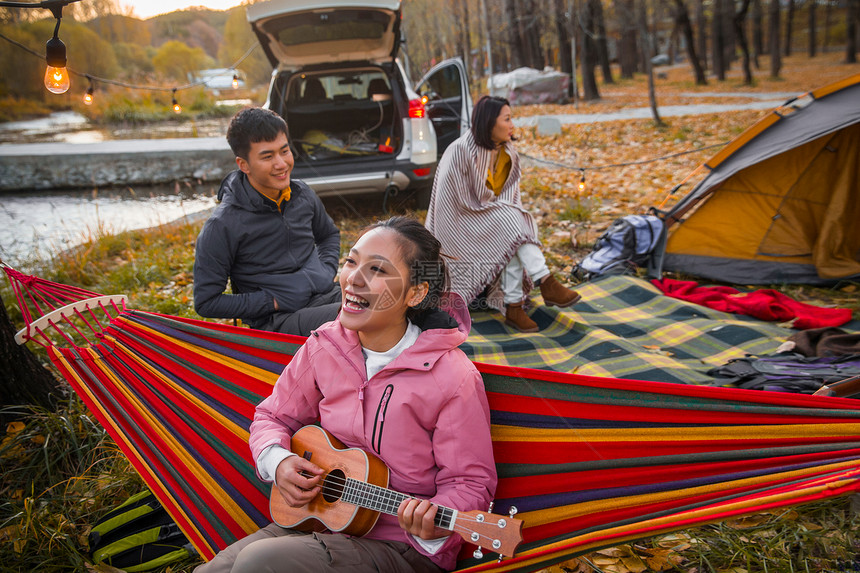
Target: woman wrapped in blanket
[
  {"x": 386, "y": 376},
  {"x": 477, "y": 214}
]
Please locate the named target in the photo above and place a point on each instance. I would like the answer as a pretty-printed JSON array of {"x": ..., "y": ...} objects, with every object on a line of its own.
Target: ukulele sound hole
[{"x": 333, "y": 483}]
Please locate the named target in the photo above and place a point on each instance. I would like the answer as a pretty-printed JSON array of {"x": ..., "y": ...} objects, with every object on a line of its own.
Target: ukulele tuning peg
[
  {"x": 512, "y": 511},
  {"x": 477, "y": 553},
  {"x": 490, "y": 509}
]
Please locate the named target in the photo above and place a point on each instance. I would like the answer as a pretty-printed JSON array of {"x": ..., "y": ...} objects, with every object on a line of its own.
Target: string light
[
  {"x": 235, "y": 81},
  {"x": 176, "y": 107},
  {"x": 582, "y": 180},
  {"x": 56, "y": 74},
  {"x": 88, "y": 97}
]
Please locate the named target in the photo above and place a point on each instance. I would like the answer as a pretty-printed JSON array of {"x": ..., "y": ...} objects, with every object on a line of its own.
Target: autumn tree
[
  {"x": 21, "y": 74},
  {"x": 588, "y": 50},
  {"x": 238, "y": 38},
  {"x": 601, "y": 42},
  {"x": 625, "y": 20},
  {"x": 789, "y": 25},
  {"x": 682, "y": 20},
  {"x": 811, "y": 31},
  {"x": 117, "y": 28},
  {"x": 740, "y": 34},
  {"x": 851, "y": 25},
  {"x": 178, "y": 61},
  {"x": 773, "y": 38},
  {"x": 757, "y": 32}
]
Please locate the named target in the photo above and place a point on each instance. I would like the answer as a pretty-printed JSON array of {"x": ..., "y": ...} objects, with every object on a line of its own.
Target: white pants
[{"x": 530, "y": 258}]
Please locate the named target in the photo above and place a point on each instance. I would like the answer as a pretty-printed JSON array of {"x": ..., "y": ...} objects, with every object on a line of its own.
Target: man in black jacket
[{"x": 269, "y": 236}]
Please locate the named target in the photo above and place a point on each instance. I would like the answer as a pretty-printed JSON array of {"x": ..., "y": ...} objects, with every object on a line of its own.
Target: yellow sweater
[{"x": 496, "y": 180}]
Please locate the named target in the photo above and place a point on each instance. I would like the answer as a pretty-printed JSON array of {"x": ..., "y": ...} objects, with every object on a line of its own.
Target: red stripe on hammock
[
  {"x": 536, "y": 452},
  {"x": 537, "y": 484},
  {"x": 645, "y": 413}
]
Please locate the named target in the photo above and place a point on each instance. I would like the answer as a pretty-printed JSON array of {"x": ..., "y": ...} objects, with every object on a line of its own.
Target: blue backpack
[{"x": 623, "y": 248}]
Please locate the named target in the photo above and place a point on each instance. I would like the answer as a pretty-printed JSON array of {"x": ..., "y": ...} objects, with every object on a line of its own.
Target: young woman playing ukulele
[{"x": 387, "y": 377}]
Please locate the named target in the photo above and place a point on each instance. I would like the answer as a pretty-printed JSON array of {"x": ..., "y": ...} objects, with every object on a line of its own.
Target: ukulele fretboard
[{"x": 387, "y": 501}]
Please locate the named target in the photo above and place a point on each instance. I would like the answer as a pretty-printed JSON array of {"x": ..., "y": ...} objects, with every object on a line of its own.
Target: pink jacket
[{"x": 425, "y": 415}]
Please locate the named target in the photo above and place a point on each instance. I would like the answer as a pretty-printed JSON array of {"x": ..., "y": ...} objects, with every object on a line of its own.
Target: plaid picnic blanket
[{"x": 624, "y": 327}]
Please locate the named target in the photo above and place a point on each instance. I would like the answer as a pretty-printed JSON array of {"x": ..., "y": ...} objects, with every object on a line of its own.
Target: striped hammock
[{"x": 588, "y": 462}]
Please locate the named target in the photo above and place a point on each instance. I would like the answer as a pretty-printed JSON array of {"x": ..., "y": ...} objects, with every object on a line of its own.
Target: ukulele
[{"x": 354, "y": 492}]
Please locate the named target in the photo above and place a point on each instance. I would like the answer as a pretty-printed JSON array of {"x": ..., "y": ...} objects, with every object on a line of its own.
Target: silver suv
[{"x": 356, "y": 123}]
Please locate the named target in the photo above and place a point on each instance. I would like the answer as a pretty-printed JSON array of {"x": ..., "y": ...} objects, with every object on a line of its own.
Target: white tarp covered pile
[{"x": 528, "y": 85}]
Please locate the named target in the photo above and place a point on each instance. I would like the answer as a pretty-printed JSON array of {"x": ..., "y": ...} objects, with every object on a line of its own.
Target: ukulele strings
[{"x": 335, "y": 485}]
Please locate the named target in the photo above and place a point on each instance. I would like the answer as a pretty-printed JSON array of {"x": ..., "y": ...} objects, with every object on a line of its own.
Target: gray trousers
[
  {"x": 274, "y": 549},
  {"x": 322, "y": 308}
]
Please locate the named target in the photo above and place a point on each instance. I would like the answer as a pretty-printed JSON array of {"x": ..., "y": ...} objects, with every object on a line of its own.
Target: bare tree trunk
[
  {"x": 626, "y": 18},
  {"x": 466, "y": 38},
  {"x": 789, "y": 23},
  {"x": 828, "y": 10},
  {"x": 811, "y": 33},
  {"x": 517, "y": 56},
  {"x": 682, "y": 18},
  {"x": 529, "y": 32},
  {"x": 718, "y": 46},
  {"x": 729, "y": 40},
  {"x": 562, "y": 27},
  {"x": 702, "y": 28},
  {"x": 757, "y": 32},
  {"x": 645, "y": 39},
  {"x": 602, "y": 44},
  {"x": 773, "y": 38},
  {"x": 24, "y": 380},
  {"x": 851, "y": 31},
  {"x": 740, "y": 34},
  {"x": 589, "y": 52}
]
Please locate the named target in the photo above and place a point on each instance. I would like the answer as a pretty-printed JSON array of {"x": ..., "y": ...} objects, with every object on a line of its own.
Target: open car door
[{"x": 449, "y": 103}]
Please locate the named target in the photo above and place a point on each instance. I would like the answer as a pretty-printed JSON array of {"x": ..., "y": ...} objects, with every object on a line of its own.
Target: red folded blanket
[{"x": 764, "y": 304}]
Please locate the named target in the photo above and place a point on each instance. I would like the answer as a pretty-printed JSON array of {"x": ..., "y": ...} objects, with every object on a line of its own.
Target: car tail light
[
  {"x": 416, "y": 108},
  {"x": 421, "y": 171}
]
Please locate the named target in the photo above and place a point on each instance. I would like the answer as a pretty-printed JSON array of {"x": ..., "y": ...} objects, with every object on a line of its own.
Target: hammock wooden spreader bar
[{"x": 589, "y": 462}]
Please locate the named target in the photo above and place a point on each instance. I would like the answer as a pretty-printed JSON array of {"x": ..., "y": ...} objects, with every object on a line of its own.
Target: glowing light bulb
[
  {"x": 56, "y": 75},
  {"x": 88, "y": 97},
  {"x": 582, "y": 182},
  {"x": 57, "y": 80},
  {"x": 176, "y": 107},
  {"x": 235, "y": 82}
]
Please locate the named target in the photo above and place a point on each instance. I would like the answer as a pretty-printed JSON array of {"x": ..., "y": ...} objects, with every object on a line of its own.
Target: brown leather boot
[
  {"x": 517, "y": 318},
  {"x": 556, "y": 294}
]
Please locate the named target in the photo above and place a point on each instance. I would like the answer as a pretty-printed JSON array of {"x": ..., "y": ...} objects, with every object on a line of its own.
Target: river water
[{"x": 39, "y": 224}]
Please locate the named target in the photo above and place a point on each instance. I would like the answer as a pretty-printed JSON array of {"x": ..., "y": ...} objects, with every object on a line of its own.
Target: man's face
[{"x": 268, "y": 166}]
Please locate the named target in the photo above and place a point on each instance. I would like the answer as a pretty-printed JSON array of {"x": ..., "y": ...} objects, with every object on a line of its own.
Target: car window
[
  {"x": 331, "y": 26},
  {"x": 445, "y": 83},
  {"x": 361, "y": 84}
]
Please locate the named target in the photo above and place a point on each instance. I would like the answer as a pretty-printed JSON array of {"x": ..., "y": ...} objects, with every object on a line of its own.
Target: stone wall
[{"x": 45, "y": 166}]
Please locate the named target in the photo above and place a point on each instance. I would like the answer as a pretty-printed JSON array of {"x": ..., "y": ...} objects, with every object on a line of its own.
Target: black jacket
[{"x": 264, "y": 253}]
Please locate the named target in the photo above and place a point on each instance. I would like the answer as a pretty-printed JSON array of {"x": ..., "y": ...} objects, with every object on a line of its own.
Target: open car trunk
[{"x": 340, "y": 115}]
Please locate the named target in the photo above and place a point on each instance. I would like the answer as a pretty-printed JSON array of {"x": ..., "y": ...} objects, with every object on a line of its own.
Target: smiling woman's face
[{"x": 374, "y": 282}]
